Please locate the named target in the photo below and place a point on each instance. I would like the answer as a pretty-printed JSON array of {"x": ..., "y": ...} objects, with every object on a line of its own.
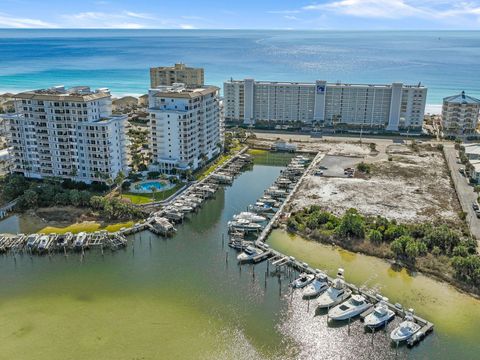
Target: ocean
[{"x": 445, "y": 61}]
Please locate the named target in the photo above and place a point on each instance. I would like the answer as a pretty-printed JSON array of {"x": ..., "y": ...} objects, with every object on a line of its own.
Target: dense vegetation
[
  {"x": 406, "y": 242},
  {"x": 32, "y": 194}
]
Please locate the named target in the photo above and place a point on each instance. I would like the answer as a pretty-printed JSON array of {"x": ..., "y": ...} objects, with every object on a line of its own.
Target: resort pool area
[{"x": 151, "y": 186}]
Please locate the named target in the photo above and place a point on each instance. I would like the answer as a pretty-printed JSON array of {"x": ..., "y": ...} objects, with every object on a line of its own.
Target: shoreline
[{"x": 439, "y": 276}]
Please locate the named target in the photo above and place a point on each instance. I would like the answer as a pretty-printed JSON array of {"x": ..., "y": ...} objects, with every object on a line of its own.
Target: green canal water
[{"x": 186, "y": 298}]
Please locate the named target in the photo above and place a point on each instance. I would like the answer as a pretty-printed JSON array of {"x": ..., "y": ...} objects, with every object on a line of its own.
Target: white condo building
[
  {"x": 68, "y": 134},
  {"x": 389, "y": 107},
  {"x": 460, "y": 114},
  {"x": 185, "y": 126}
]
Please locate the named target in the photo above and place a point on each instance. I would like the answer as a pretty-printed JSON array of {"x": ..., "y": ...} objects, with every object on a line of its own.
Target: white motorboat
[
  {"x": 407, "y": 328},
  {"x": 31, "y": 240},
  {"x": 244, "y": 225},
  {"x": 268, "y": 200},
  {"x": 303, "y": 280},
  {"x": 316, "y": 287},
  {"x": 350, "y": 308},
  {"x": 380, "y": 316},
  {"x": 335, "y": 294},
  {"x": 80, "y": 240},
  {"x": 42, "y": 243},
  {"x": 260, "y": 207},
  {"x": 248, "y": 254},
  {"x": 250, "y": 216}
]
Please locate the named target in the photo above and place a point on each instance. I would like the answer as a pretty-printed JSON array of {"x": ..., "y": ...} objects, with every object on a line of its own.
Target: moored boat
[
  {"x": 316, "y": 287},
  {"x": 407, "y": 328},
  {"x": 249, "y": 254},
  {"x": 250, "y": 216},
  {"x": 303, "y": 280},
  {"x": 350, "y": 308},
  {"x": 380, "y": 316},
  {"x": 337, "y": 292}
]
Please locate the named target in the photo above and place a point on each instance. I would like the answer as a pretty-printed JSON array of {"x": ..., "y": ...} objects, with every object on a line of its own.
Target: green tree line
[{"x": 406, "y": 242}]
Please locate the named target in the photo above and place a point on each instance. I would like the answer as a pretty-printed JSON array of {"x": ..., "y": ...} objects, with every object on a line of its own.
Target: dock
[{"x": 291, "y": 179}]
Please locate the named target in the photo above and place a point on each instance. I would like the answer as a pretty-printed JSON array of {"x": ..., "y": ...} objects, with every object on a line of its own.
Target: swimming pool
[{"x": 148, "y": 186}]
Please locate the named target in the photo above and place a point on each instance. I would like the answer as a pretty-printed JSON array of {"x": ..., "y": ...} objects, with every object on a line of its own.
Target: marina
[
  {"x": 263, "y": 216},
  {"x": 150, "y": 271},
  {"x": 349, "y": 299}
]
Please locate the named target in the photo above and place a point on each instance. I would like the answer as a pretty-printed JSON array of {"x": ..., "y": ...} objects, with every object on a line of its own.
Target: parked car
[
  {"x": 477, "y": 212},
  {"x": 475, "y": 206},
  {"x": 462, "y": 171}
]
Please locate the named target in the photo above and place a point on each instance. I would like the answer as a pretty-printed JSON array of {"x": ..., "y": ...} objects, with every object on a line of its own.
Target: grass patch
[
  {"x": 163, "y": 195},
  {"x": 86, "y": 226},
  {"x": 138, "y": 199},
  {"x": 257, "y": 152},
  {"x": 204, "y": 172}
]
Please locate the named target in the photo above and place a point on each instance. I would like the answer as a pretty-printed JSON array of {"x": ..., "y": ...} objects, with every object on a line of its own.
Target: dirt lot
[{"x": 406, "y": 184}]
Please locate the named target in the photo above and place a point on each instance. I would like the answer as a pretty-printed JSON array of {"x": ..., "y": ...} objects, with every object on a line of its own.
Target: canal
[{"x": 185, "y": 297}]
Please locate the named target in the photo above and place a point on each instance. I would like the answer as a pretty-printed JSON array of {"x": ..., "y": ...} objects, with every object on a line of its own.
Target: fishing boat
[
  {"x": 250, "y": 216},
  {"x": 303, "y": 280},
  {"x": 244, "y": 225},
  {"x": 380, "y": 316},
  {"x": 336, "y": 293},
  {"x": 350, "y": 308},
  {"x": 248, "y": 254},
  {"x": 316, "y": 287},
  {"x": 80, "y": 240},
  {"x": 407, "y": 328}
]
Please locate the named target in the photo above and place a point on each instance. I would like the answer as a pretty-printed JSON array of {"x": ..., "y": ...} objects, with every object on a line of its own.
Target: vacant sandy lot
[{"x": 414, "y": 185}]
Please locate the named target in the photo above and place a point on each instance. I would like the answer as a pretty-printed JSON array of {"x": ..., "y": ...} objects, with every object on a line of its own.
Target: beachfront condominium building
[
  {"x": 68, "y": 134},
  {"x": 460, "y": 114},
  {"x": 185, "y": 126},
  {"x": 179, "y": 73},
  {"x": 386, "y": 107}
]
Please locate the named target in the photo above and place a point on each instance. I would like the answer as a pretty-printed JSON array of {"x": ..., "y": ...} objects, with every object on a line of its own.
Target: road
[{"x": 465, "y": 192}]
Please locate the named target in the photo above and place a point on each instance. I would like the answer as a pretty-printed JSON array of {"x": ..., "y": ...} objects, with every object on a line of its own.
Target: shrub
[
  {"x": 153, "y": 174},
  {"x": 375, "y": 236},
  {"x": 364, "y": 167}
]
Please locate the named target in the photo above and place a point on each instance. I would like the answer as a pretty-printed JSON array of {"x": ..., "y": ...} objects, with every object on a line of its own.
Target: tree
[
  {"x": 394, "y": 231},
  {"x": 373, "y": 146},
  {"x": 75, "y": 198},
  {"x": 352, "y": 224},
  {"x": 29, "y": 199},
  {"x": 119, "y": 179}
]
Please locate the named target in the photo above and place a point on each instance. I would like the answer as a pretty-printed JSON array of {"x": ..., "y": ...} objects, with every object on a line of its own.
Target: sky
[{"x": 243, "y": 14}]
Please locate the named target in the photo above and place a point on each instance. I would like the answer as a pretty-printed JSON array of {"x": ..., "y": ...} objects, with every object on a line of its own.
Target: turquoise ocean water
[{"x": 446, "y": 62}]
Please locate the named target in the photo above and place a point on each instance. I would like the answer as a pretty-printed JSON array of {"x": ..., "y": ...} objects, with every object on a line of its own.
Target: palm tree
[{"x": 119, "y": 179}]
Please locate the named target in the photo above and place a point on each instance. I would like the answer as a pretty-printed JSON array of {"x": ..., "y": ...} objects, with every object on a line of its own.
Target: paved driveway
[{"x": 465, "y": 192}]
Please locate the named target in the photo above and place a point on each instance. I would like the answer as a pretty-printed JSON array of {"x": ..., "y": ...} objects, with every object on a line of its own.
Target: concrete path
[{"x": 465, "y": 192}]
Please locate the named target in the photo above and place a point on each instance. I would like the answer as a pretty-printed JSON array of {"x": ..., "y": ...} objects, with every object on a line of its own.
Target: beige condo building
[{"x": 179, "y": 73}]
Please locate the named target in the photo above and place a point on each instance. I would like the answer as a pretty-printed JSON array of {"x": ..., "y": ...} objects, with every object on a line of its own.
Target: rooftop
[
  {"x": 179, "y": 90},
  {"x": 178, "y": 66},
  {"x": 77, "y": 93},
  {"x": 338, "y": 83},
  {"x": 461, "y": 99}
]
